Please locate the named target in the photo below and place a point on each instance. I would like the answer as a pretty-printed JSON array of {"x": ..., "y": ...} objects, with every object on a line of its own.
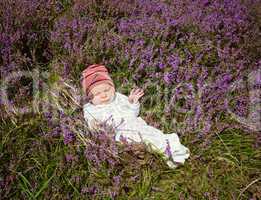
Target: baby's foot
[{"x": 171, "y": 164}]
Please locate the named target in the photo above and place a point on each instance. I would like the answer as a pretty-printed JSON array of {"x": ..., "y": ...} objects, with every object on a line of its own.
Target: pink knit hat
[{"x": 94, "y": 75}]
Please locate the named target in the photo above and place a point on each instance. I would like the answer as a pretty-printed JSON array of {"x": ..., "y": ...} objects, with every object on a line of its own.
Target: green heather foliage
[
  {"x": 38, "y": 166},
  {"x": 199, "y": 64}
]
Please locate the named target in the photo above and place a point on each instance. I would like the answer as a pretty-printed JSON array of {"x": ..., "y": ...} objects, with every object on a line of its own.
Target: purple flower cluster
[
  {"x": 102, "y": 149},
  {"x": 60, "y": 125},
  {"x": 24, "y": 33},
  {"x": 70, "y": 33},
  {"x": 200, "y": 43},
  {"x": 103, "y": 152}
]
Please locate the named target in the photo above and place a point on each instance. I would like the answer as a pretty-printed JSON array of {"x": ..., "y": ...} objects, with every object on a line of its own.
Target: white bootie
[{"x": 171, "y": 164}]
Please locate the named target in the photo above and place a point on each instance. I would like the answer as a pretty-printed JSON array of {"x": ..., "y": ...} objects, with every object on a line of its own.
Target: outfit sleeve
[
  {"x": 88, "y": 115},
  {"x": 125, "y": 105}
]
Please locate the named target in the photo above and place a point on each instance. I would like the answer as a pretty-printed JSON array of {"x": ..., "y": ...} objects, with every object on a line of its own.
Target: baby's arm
[
  {"x": 92, "y": 122},
  {"x": 127, "y": 106}
]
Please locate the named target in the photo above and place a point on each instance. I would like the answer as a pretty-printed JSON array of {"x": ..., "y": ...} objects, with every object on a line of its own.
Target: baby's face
[{"x": 102, "y": 94}]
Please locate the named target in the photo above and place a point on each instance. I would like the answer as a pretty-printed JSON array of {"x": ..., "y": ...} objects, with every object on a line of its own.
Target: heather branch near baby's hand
[{"x": 135, "y": 94}]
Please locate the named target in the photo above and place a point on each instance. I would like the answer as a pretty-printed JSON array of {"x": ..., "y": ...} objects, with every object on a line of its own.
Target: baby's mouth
[{"x": 105, "y": 100}]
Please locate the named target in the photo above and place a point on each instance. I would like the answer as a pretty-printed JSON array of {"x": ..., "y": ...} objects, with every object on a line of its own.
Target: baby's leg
[
  {"x": 160, "y": 141},
  {"x": 179, "y": 151}
]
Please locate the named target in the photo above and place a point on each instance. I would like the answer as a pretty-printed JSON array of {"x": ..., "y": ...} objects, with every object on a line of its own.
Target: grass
[{"x": 228, "y": 168}]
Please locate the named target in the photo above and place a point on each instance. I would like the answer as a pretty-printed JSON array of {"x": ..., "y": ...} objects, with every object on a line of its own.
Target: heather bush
[
  {"x": 196, "y": 47},
  {"x": 25, "y": 27},
  {"x": 24, "y": 46},
  {"x": 194, "y": 50}
]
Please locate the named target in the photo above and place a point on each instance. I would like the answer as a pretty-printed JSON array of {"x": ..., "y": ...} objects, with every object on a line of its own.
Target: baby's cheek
[
  {"x": 95, "y": 100},
  {"x": 112, "y": 94}
]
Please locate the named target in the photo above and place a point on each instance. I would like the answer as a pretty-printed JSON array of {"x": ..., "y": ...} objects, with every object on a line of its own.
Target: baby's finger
[
  {"x": 135, "y": 91},
  {"x": 141, "y": 93},
  {"x": 140, "y": 90},
  {"x": 139, "y": 96}
]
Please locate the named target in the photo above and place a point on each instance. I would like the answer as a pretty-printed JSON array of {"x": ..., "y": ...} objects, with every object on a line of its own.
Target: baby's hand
[
  {"x": 94, "y": 124},
  {"x": 135, "y": 94}
]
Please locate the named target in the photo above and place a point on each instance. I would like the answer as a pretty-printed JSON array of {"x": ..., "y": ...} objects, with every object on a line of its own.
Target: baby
[{"x": 123, "y": 113}]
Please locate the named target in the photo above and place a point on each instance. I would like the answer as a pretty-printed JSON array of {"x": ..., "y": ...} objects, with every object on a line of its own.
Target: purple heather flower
[
  {"x": 69, "y": 157},
  {"x": 167, "y": 78},
  {"x": 168, "y": 149},
  {"x": 55, "y": 132},
  {"x": 84, "y": 190},
  {"x": 112, "y": 194},
  {"x": 68, "y": 136},
  {"x": 207, "y": 126},
  {"x": 116, "y": 180},
  {"x": 161, "y": 65},
  {"x": 92, "y": 190}
]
